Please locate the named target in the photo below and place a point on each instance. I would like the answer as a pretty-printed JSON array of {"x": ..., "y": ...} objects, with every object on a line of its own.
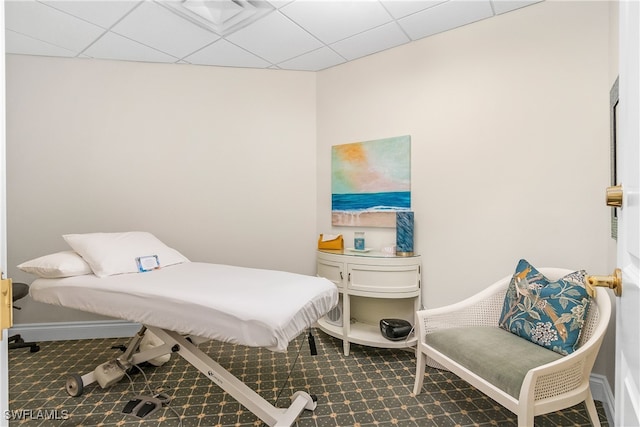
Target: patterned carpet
[{"x": 370, "y": 387}]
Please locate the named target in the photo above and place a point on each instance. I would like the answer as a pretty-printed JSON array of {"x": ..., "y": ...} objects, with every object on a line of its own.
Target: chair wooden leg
[
  {"x": 524, "y": 422},
  {"x": 591, "y": 409},
  {"x": 421, "y": 362},
  {"x": 525, "y": 414}
]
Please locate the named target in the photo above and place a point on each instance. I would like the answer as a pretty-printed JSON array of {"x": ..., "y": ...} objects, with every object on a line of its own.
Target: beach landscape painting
[{"x": 370, "y": 182}]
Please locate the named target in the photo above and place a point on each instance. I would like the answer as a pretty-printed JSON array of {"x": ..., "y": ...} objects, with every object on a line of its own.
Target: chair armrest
[
  {"x": 565, "y": 374},
  {"x": 560, "y": 376}
]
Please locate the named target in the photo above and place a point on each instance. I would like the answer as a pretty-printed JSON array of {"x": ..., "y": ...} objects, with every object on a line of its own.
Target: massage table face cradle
[{"x": 176, "y": 343}]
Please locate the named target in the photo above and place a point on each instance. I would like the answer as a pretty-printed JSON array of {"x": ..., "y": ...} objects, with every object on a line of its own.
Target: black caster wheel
[
  {"x": 34, "y": 349},
  {"x": 74, "y": 385}
]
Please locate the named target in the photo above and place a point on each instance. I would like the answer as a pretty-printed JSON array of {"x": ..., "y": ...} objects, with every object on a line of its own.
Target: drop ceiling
[{"x": 308, "y": 35}]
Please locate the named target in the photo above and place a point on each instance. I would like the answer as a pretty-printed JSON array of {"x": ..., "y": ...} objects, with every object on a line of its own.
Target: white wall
[
  {"x": 510, "y": 142},
  {"x": 217, "y": 162}
]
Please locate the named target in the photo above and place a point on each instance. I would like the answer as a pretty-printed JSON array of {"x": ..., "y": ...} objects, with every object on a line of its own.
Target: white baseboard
[
  {"x": 61, "y": 331},
  {"x": 601, "y": 391}
]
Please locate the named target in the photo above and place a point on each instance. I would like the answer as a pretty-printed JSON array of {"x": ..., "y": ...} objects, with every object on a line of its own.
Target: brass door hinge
[{"x": 6, "y": 305}]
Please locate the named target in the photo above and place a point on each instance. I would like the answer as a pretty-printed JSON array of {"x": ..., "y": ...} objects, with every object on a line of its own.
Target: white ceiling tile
[
  {"x": 275, "y": 38},
  {"x": 113, "y": 46},
  {"x": 319, "y": 59},
  {"x": 182, "y": 39},
  {"x": 278, "y": 3},
  {"x": 504, "y": 6},
  {"x": 223, "y": 53},
  {"x": 18, "y": 43},
  {"x": 288, "y": 37},
  {"x": 401, "y": 8},
  {"x": 445, "y": 16},
  {"x": 331, "y": 21},
  {"x": 42, "y": 22},
  {"x": 371, "y": 41},
  {"x": 102, "y": 13}
]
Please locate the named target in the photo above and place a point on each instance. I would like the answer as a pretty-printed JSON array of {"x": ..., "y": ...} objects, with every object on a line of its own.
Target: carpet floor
[{"x": 370, "y": 387}]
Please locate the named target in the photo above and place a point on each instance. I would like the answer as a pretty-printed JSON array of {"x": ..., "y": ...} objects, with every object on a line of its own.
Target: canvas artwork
[{"x": 370, "y": 182}]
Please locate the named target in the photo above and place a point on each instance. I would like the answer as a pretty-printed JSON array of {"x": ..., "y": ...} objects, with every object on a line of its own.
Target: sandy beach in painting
[{"x": 364, "y": 218}]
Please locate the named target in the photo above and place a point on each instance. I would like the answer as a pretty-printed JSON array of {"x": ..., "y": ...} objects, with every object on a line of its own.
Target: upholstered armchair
[{"x": 503, "y": 365}]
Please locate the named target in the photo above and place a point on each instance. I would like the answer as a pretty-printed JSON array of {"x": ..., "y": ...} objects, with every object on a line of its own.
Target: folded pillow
[
  {"x": 117, "y": 253},
  {"x": 59, "y": 264},
  {"x": 550, "y": 314}
]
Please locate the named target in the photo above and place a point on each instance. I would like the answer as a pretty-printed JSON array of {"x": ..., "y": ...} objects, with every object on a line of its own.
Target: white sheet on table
[{"x": 248, "y": 306}]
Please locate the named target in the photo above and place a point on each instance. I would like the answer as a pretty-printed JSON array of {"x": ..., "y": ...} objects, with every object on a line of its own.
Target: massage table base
[{"x": 176, "y": 343}]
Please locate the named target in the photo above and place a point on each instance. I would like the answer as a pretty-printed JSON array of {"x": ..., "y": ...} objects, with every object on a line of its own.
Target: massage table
[{"x": 187, "y": 303}]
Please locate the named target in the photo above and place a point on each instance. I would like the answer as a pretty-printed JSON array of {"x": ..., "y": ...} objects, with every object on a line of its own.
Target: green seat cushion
[{"x": 498, "y": 356}]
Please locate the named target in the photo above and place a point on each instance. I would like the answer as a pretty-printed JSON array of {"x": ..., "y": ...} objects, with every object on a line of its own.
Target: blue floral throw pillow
[{"x": 550, "y": 314}]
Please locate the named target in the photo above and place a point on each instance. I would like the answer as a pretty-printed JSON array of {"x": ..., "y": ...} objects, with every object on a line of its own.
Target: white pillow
[
  {"x": 116, "y": 253},
  {"x": 59, "y": 264}
]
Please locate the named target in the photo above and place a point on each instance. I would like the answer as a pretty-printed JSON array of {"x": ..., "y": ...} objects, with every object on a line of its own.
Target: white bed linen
[{"x": 253, "y": 307}]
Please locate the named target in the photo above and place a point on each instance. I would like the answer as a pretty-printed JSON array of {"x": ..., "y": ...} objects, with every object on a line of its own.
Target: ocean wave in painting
[{"x": 371, "y": 202}]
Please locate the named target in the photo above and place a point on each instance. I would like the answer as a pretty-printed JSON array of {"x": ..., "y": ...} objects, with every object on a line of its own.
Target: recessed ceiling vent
[{"x": 223, "y": 17}]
